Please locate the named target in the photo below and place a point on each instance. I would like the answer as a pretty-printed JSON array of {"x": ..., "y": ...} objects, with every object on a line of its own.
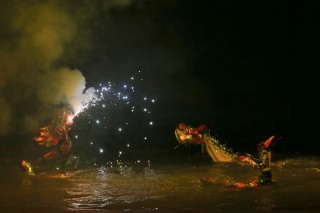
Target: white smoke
[{"x": 33, "y": 37}]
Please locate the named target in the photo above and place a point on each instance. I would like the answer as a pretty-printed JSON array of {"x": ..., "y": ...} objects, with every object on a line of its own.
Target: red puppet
[{"x": 54, "y": 135}]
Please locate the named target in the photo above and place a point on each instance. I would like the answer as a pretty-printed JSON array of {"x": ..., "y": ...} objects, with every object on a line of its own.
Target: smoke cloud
[{"x": 33, "y": 38}]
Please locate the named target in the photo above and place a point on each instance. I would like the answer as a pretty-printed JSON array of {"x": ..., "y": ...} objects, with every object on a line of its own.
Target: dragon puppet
[
  {"x": 54, "y": 135},
  {"x": 187, "y": 135}
]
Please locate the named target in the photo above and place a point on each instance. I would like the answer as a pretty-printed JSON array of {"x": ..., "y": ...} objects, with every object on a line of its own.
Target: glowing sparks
[{"x": 108, "y": 110}]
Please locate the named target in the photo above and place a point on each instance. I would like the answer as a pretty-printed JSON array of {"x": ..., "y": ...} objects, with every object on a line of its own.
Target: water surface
[{"x": 144, "y": 186}]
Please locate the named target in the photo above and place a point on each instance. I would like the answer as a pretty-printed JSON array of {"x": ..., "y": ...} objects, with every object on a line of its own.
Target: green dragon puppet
[{"x": 187, "y": 135}]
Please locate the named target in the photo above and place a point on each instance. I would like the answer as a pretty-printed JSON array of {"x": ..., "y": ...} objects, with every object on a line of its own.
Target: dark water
[{"x": 144, "y": 186}]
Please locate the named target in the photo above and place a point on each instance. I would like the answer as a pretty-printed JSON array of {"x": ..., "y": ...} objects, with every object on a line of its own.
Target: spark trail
[{"x": 112, "y": 116}]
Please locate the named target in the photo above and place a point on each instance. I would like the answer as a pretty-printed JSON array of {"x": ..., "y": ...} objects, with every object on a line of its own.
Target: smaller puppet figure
[
  {"x": 28, "y": 168},
  {"x": 263, "y": 163},
  {"x": 54, "y": 135}
]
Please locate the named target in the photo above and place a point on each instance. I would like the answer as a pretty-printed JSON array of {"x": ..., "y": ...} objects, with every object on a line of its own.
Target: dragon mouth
[{"x": 182, "y": 138}]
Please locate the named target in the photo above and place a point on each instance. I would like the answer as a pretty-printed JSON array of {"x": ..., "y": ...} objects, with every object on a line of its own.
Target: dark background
[{"x": 242, "y": 68}]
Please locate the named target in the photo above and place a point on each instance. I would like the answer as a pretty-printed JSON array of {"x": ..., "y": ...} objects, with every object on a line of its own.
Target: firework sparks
[{"x": 102, "y": 107}]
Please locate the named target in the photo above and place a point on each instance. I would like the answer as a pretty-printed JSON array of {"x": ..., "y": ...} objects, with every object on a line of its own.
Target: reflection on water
[
  {"x": 162, "y": 187},
  {"x": 126, "y": 187}
]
